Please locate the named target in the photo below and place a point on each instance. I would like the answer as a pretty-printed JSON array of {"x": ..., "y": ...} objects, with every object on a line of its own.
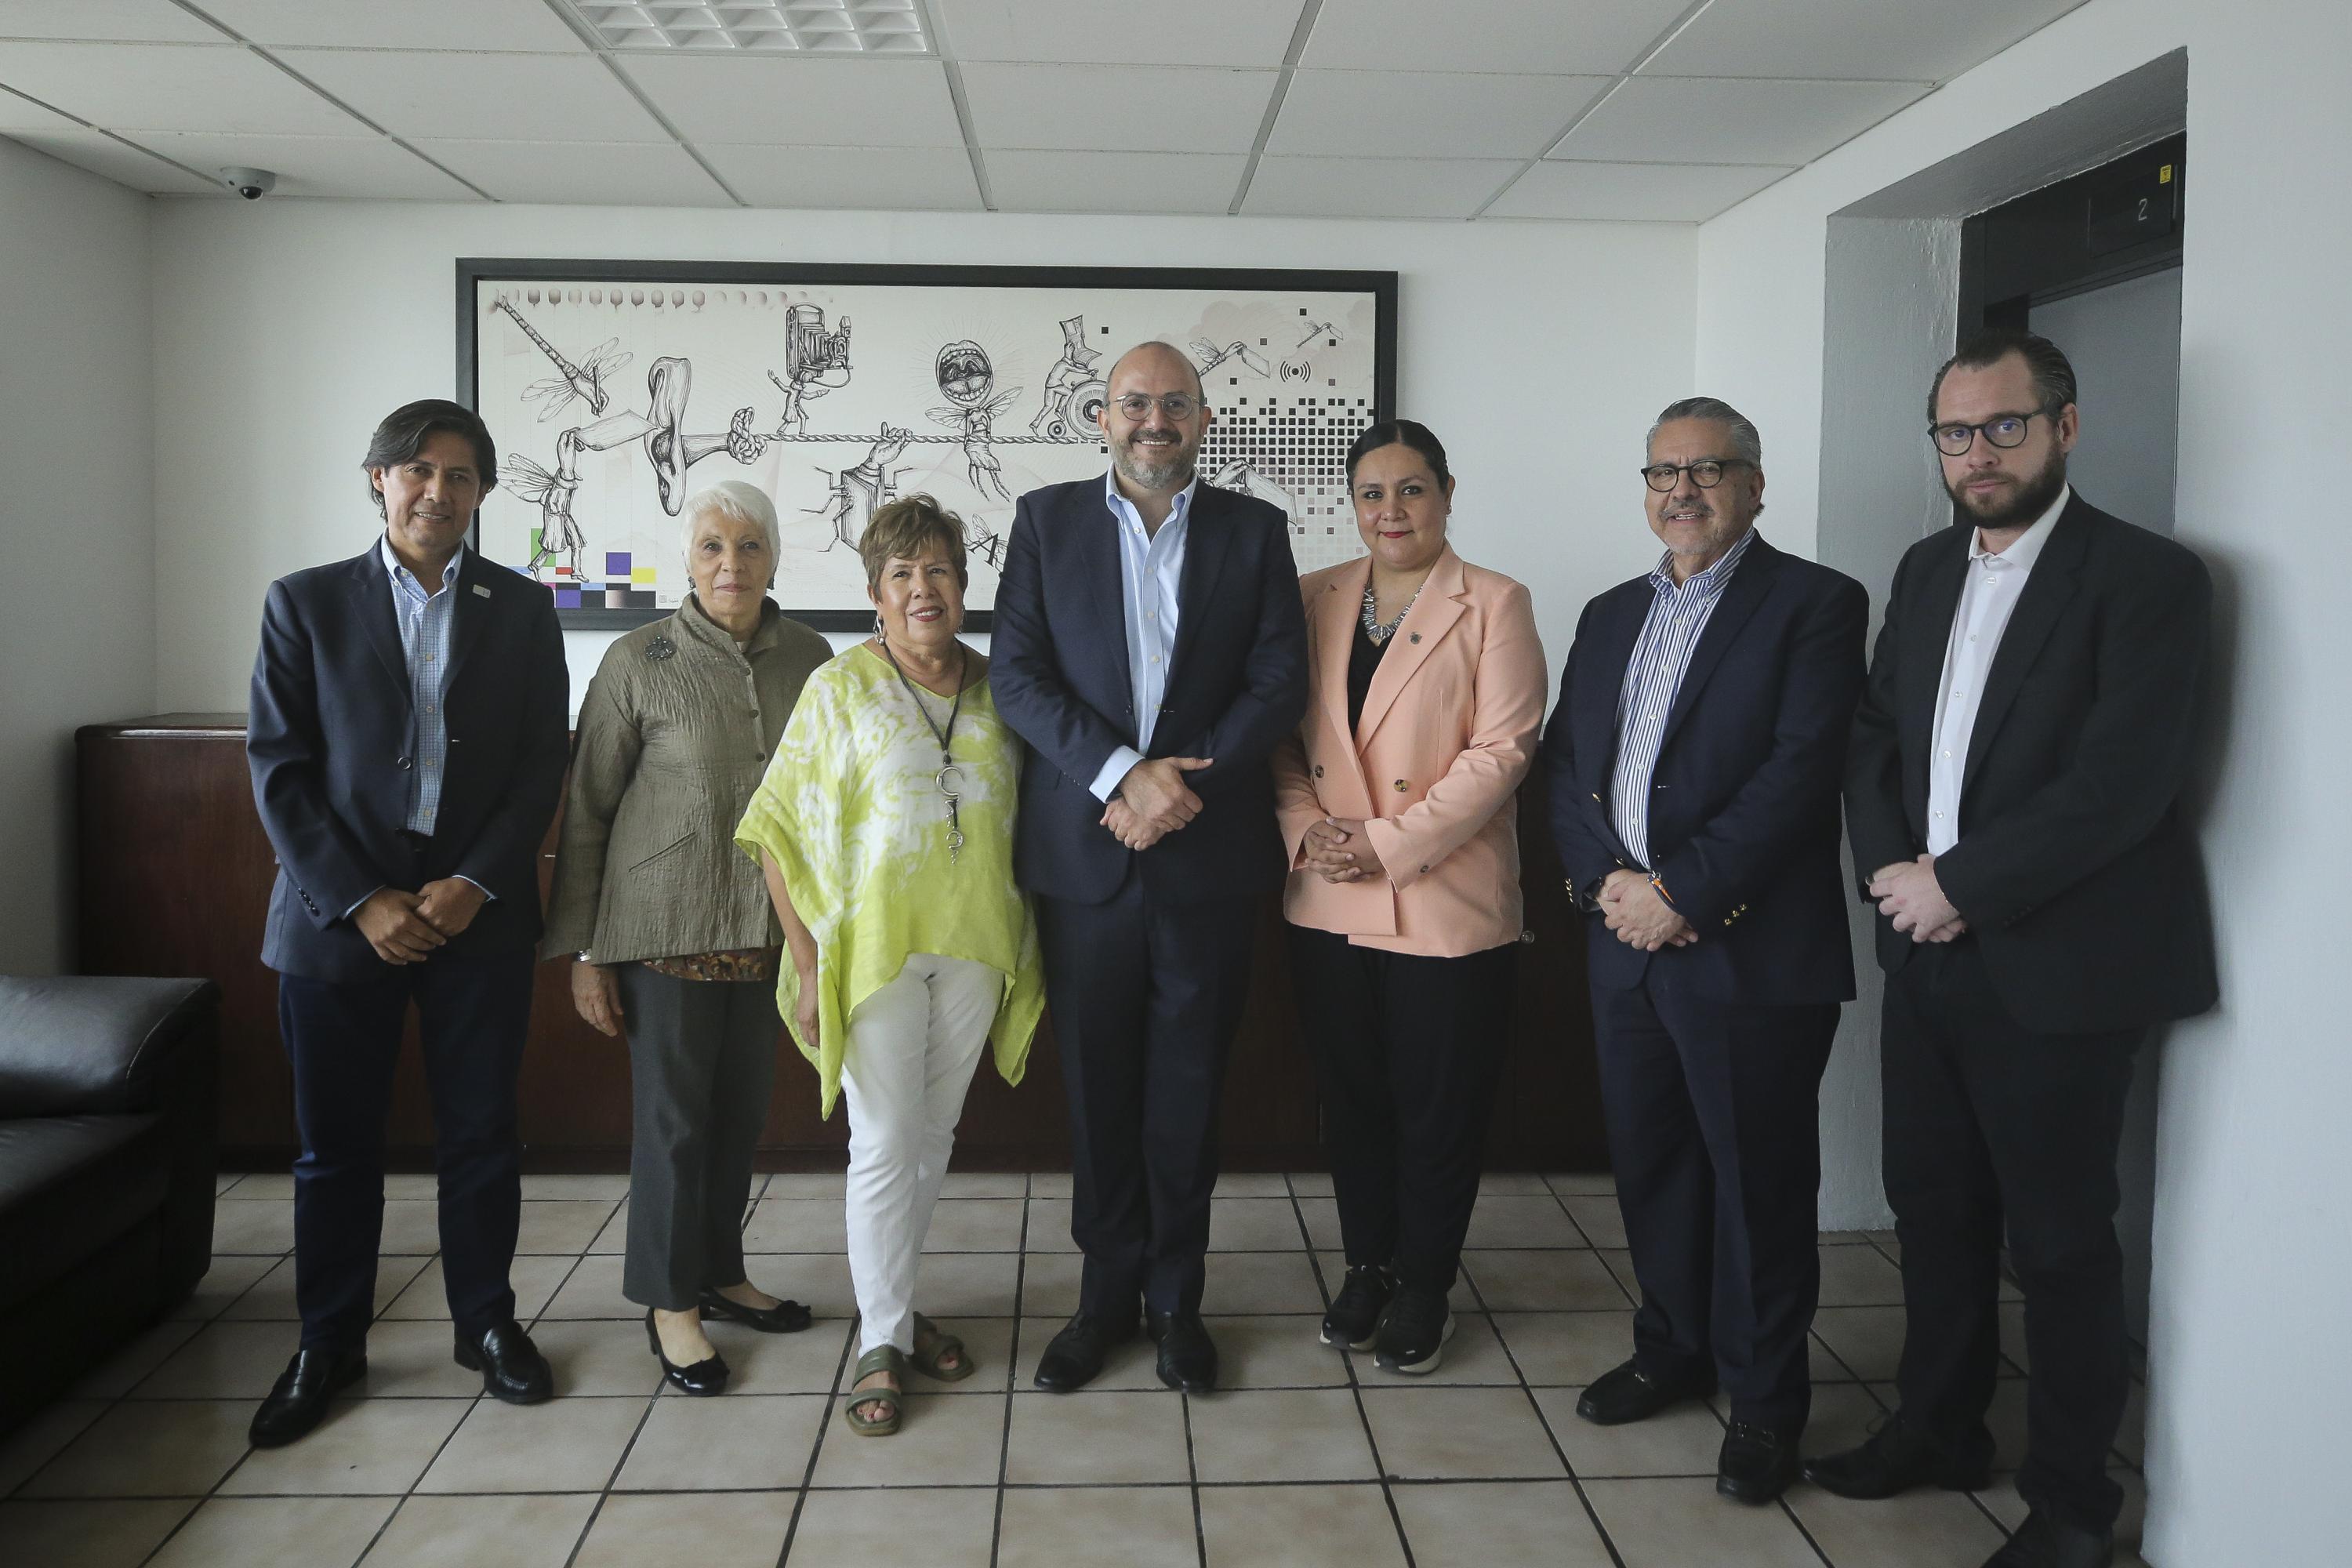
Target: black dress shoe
[
  {"x": 511, "y": 1367},
  {"x": 1629, "y": 1393},
  {"x": 1188, "y": 1356},
  {"x": 1073, "y": 1357},
  {"x": 704, "y": 1378},
  {"x": 298, "y": 1400},
  {"x": 1757, "y": 1464},
  {"x": 783, "y": 1318},
  {"x": 2043, "y": 1541},
  {"x": 1895, "y": 1458}
]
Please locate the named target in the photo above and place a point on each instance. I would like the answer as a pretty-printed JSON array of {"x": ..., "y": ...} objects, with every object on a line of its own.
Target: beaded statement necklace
[
  {"x": 1374, "y": 628},
  {"x": 949, "y": 778}
]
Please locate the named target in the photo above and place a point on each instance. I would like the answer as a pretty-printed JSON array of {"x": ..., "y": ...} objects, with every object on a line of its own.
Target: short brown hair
[{"x": 902, "y": 528}]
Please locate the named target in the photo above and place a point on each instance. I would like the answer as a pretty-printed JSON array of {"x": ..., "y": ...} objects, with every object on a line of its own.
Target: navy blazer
[
  {"x": 1743, "y": 815},
  {"x": 329, "y": 742},
  {"x": 1236, "y": 686}
]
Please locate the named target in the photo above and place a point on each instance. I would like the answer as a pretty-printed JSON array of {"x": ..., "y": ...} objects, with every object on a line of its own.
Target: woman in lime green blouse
[{"x": 885, "y": 829}]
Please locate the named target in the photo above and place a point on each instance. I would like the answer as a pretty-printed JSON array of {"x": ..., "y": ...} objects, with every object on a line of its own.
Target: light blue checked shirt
[
  {"x": 425, "y": 623},
  {"x": 1662, "y": 655},
  {"x": 1150, "y": 572}
]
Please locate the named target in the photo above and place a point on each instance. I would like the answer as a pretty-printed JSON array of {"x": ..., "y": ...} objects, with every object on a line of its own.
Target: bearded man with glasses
[{"x": 2013, "y": 799}]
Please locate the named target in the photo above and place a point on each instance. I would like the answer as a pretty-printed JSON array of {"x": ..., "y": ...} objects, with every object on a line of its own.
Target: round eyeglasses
[
  {"x": 1707, "y": 473},
  {"x": 2003, "y": 430},
  {"x": 1175, "y": 404}
]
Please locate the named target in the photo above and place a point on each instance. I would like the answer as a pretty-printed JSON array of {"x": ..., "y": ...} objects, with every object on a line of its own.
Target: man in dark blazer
[
  {"x": 1693, "y": 761},
  {"x": 1150, "y": 649},
  {"x": 2013, "y": 800},
  {"x": 407, "y": 743}
]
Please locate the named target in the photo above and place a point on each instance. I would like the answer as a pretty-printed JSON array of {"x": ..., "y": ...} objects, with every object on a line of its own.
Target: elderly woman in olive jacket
[{"x": 672, "y": 938}]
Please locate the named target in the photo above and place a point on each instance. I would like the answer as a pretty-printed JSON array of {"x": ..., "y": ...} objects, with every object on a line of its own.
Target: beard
[
  {"x": 1154, "y": 468},
  {"x": 2018, "y": 506}
]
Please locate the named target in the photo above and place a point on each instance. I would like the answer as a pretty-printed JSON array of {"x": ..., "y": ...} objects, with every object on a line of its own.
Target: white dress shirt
[
  {"x": 1988, "y": 595},
  {"x": 1150, "y": 571}
]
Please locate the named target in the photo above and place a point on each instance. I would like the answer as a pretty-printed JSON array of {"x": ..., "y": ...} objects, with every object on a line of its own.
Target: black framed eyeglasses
[
  {"x": 2003, "y": 430},
  {"x": 1707, "y": 473},
  {"x": 1178, "y": 406}
]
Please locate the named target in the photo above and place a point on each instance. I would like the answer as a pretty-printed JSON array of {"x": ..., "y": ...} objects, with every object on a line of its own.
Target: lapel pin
[
  {"x": 661, "y": 648},
  {"x": 484, "y": 593},
  {"x": 1414, "y": 637}
]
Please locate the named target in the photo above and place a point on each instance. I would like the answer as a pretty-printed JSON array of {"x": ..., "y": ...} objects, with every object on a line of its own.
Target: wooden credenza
[{"x": 174, "y": 878}]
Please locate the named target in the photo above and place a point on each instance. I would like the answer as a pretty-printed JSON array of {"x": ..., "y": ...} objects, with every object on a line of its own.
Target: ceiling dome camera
[{"x": 251, "y": 183}]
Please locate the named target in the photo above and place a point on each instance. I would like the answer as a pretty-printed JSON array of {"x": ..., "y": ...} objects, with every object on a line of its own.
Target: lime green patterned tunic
[{"x": 850, "y": 813}]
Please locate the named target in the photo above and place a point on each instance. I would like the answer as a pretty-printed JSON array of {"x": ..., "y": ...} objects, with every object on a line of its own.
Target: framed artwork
[{"x": 614, "y": 389}]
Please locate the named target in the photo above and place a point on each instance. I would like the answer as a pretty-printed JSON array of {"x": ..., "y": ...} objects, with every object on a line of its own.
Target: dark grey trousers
[{"x": 702, "y": 1056}]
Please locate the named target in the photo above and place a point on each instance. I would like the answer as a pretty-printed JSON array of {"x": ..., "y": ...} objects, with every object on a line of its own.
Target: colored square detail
[
  {"x": 616, "y": 564},
  {"x": 641, "y": 574}
]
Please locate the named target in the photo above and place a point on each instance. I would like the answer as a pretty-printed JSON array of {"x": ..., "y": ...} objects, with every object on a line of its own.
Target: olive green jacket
[{"x": 674, "y": 735}]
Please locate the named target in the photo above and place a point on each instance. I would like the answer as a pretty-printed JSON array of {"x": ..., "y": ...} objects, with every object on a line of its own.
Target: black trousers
[
  {"x": 1989, "y": 1124},
  {"x": 1713, "y": 1113},
  {"x": 1145, "y": 997},
  {"x": 1407, "y": 1050},
  {"x": 343, "y": 1038}
]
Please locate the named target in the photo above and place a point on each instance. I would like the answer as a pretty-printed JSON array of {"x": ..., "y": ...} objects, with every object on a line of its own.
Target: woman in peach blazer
[{"x": 1397, "y": 802}]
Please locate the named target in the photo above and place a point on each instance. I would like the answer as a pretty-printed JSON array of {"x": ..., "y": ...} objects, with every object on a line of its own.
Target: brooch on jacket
[{"x": 661, "y": 648}]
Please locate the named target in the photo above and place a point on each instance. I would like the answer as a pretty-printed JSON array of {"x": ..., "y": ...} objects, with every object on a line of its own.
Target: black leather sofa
[{"x": 108, "y": 1095}]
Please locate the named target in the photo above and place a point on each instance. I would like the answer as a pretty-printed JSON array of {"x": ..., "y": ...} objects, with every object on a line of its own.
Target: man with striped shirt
[{"x": 1695, "y": 760}]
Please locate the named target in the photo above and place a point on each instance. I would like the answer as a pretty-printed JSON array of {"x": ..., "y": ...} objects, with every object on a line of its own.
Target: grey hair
[
  {"x": 1745, "y": 440},
  {"x": 734, "y": 500}
]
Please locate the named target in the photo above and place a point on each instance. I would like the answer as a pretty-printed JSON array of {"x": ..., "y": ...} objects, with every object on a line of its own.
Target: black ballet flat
[
  {"x": 783, "y": 1318},
  {"x": 703, "y": 1378}
]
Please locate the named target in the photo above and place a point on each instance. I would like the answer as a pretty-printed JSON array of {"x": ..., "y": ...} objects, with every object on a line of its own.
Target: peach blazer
[{"x": 1449, "y": 728}]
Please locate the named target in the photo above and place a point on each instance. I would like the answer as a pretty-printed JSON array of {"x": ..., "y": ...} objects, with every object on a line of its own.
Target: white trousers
[{"x": 907, "y": 1062}]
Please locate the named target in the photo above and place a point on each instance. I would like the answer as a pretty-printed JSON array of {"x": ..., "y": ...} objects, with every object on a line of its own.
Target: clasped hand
[
  {"x": 1909, "y": 894},
  {"x": 1153, "y": 801},
  {"x": 1632, "y": 907},
  {"x": 404, "y": 926},
  {"x": 1338, "y": 850}
]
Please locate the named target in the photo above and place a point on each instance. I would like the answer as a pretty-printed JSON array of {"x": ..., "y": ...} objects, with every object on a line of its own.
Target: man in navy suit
[
  {"x": 407, "y": 743},
  {"x": 1150, "y": 649},
  {"x": 1694, "y": 761}
]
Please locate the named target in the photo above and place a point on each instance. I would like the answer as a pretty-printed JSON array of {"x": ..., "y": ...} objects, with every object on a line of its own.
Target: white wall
[
  {"x": 77, "y": 515},
  {"x": 2249, "y": 1364},
  {"x": 1539, "y": 353}
]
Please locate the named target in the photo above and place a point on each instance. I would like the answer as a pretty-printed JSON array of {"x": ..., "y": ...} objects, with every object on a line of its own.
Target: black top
[{"x": 1362, "y": 661}]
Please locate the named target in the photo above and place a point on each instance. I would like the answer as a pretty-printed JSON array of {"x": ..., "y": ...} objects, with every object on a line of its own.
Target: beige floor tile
[
  {"x": 1459, "y": 1434},
  {"x": 1869, "y": 1340},
  {"x": 1278, "y": 1351},
  {"x": 1582, "y": 1183},
  {"x": 1252, "y": 1282},
  {"x": 1499, "y": 1524},
  {"x": 534, "y": 1280},
  {"x": 414, "y": 1360},
  {"x": 85, "y": 1534},
  {"x": 1681, "y": 1523},
  {"x": 1564, "y": 1281},
  {"x": 827, "y": 1184},
  {"x": 148, "y": 1450},
  {"x": 1563, "y": 1349},
  {"x": 1322, "y": 1217},
  {"x": 1292, "y": 1435},
  {"x": 589, "y": 1288},
  {"x": 1152, "y": 1526},
  {"x": 612, "y": 1237},
  {"x": 925, "y": 1528},
  {"x": 226, "y": 1360},
  {"x": 561, "y": 1224},
  {"x": 1254, "y": 1224},
  {"x": 1514, "y": 1184},
  {"x": 943, "y": 1440},
  {"x": 1515, "y": 1222},
  {"x": 607, "y": 1188},
  {"x": 228, "y": 1278},
  {"x": 1298, "y": 1527},
  {"x": 574, "y": 1446},
  {"x": 1619, "y": 1264},
  {"x": 1681, "y": 1441},
  {"x": 1824, "y": 1366},
  {"x": 1846, "y": 1239},
  {"x": 1859, "y": 1276},
  {"x": 590, "y": 1356},
  {"x": 1598, "y": 1218},
  {"x": 797, "y": 1225},
  {"x": 1925, "y": 1529},
  {"x": 250, "y": 1225},
  {"x": 1251, "y": 1184},
  {"x": 412, "y": 1186},
  {"x": 364, "y": 1446},
  {"x": 818, "y": 1281},
  {"x": 1049, "y": 1184},
  {"x": 1334, "y": 1273},
  {"x": 803, "y": 1363},
  {"x": 967, "y": 1284},
  {"x": 277, "y": 1533},
  {"x": 986, "y": 1185},
  {"x": 1311, "y": 1183},
  {"x": 412, "y": 1226},
  {"x": 37, "y": 1441},
  {"x": 1049, "y": 1283},
  {"x": 1049, "y": 1226},
  {"x": 1129, "y": 1365},
  {"x": 121, "y": 1372},
  {"x": 504, "y": 1531},
  {"x": 742, "y": 1530},
  {"x": 1096, "y": 1438},
  {"x": 975, "y": 1225},
  {"x": 224, "y": 1180},
  {"x": 738, "y": 1441},
  {"x": 272, "y": 1295}
]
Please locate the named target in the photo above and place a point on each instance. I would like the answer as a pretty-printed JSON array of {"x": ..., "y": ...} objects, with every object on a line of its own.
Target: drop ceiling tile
[
  {"x": 170, "y": 87},
  {"x": 1374, "y": 187},
  {"x": 1560, "y": 37},
  {"x": 1884, "y": 41},
  {"x": 782, "y": 101},
  {"x": 527, "y": 24},
  {"x": 886, "y": 179},
  {"x": 1646, "y": 193},
  {"x": 22, "y": 114},
  {"x": 1200, "y": 33},
  {"x": 102, "y": 155},
  {"x": 152, "y": 21},
  {"x": 581, "y": 174},
  {"x": 489, "y": 98},
  {"x": 362, "y": 168},
  {"x": 1136, "y": 109},
  {"x": 1427, "y": 114},
  {"x": 1113, "y": 181},
  {"x": 1719, "y": 119}
]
